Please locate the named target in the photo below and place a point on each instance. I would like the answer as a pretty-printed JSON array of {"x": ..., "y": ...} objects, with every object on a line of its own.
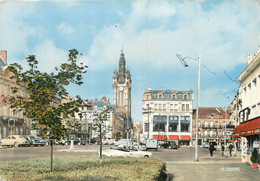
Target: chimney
[
  {"x": 249, "y": 59},
  {"x": 3, "y": 55}
]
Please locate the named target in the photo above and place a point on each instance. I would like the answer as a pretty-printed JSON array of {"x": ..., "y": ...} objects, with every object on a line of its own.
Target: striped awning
[
  {"x": 185, "y": 137},
  {"x": 173, "y": 137},
  {"x": 160, "y": 137}
]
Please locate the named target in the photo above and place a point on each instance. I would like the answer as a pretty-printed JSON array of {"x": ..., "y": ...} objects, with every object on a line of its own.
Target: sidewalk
[{"x": 211, "y": 168}]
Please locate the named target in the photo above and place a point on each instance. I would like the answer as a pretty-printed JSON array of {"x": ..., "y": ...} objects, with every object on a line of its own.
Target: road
[{"x": 12, "y": 153}]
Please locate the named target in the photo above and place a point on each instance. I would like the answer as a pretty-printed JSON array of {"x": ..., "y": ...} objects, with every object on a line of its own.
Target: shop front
[
  {"x": 249, "y": 132},
  {"x": 184, "y": 140}
]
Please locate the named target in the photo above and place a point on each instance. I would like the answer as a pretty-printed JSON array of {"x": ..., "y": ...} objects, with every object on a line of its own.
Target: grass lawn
[{"x": 72, "y": 168}]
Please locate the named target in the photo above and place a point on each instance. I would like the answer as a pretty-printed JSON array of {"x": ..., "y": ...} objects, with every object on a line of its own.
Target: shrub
[{"x": 254, "y": 156}]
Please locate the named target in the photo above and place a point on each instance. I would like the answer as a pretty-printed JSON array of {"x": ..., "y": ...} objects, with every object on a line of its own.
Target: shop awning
[
  {"x": 173, "y": 137},
  {"x": 248, "y": 128},
  {"x": 160, "y": 137},
  {"x": 221, "y": 141},
  {"x": 186, "y": 137}
]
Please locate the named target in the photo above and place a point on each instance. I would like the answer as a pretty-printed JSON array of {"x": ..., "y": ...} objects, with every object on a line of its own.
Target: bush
[
  {"x": 258, "y": 159},
  {"x": 84, "y": 168},
  {"x": 254, "y": 156}
]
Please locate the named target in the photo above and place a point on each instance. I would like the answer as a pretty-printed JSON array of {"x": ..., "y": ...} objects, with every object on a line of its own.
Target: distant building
[
  {"x": 167, "y": 115},
  {"x": 137, "y": 131},
  {"x": 18, "y": 123},
  {"x": 213, "y": 125},
  {"x": 122, "y": 84}
]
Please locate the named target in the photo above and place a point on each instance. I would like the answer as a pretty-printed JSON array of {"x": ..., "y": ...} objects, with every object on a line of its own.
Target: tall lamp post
[{"x": 198, "y": 97}]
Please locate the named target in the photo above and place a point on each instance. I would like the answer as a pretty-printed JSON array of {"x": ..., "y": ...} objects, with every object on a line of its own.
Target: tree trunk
[
  {"x": 51, "y": 162},
  {"x": 100, "y": 138}
]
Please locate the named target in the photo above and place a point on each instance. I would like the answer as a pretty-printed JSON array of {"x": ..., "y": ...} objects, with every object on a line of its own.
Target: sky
[{"x": 150, "y": 33}]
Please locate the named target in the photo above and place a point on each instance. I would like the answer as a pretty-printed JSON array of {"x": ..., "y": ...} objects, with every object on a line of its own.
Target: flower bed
[{"x": 84, "y": 168}]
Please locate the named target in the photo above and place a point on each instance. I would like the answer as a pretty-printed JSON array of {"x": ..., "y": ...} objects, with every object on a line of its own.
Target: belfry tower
[{"x": 122, "y": 89}]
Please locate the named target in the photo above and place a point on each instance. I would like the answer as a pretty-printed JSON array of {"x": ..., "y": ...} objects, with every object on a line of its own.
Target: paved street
[{"x": 180, "y": 163}]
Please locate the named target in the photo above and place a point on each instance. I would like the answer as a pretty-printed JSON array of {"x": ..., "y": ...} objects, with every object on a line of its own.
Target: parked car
[
  {"x": 35, "y": 141},
  {"x": 77, "y": 141},
  {"x": 126, "y": 144},
  {"x": 170, "y": 145},
  {"x": 14, "y": 140},
  {"x": 60, "y": 142},
  {"x": 125, "y": 153},
  {"x": 205, "y": 145}
]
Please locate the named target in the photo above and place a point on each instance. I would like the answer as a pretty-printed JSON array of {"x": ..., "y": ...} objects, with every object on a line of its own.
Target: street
[{"x": 179, "y": 162}]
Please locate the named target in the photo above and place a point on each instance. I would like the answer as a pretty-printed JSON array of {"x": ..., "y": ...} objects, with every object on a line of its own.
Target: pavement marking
[{"x": 229, "y": 169}]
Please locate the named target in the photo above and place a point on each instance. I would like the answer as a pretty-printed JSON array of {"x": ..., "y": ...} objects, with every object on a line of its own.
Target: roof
[{"x": 211, "y": 113}]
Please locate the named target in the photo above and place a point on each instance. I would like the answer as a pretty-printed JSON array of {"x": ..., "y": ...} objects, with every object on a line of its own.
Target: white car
[{"x": 126, "y": 153}]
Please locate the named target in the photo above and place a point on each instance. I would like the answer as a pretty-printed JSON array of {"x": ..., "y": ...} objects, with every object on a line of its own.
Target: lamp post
[{"x": 198, "y": 97}]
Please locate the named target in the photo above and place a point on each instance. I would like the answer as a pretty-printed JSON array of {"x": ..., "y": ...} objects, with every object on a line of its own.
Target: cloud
[
  {"x": 216, "y": 34},
  {"x": 14, "y": 31},
  {"x": 65, "y": 29},
  {"x": 49, "y": 56}
]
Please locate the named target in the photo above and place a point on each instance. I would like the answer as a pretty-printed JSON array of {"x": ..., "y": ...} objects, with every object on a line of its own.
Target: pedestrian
[
  {"x": 230, "y": 149},
  {"x": 211, "y": 149},
  {"x": 223, "y": 149}
]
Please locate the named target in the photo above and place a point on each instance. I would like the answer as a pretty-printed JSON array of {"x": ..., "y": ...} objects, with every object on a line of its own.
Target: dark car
[
  {"x": 35, "y": 141},
  {"x": 170, "y": 145}
]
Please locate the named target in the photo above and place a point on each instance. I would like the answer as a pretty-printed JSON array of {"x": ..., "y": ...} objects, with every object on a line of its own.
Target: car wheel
[
  {"x": 16, "y": 144},
  {"x": 146, "y": 156}
]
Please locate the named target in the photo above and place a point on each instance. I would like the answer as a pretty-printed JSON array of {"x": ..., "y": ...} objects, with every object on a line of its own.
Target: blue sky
[{"x": 151, "y": 34}]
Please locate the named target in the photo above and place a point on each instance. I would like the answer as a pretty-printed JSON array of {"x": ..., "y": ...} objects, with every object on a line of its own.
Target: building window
[
  {"x": 183, "y": 107},
  {"x": 205, "y": 123},
  {"x": 159, "y": 122},
  {"x": 121, "y": 98},
  {"x": 146, "y": 127},
  {"x": 216, "y": 124},
  {"x": 5, "y": 87},
  {"x": 173, "y": 123},
  {"x": 187, "y": 107},
  {"x": 185, "y": 123},
  {"x": 147, "y": 97},
  {"x": 185, "y": 97},
  {"x": 11, "y": 112},
  {"x": 155, "y": 106},
  {"x": 21, "y": 131},
  {"x": 205, "y": 133},
  {"x": 160, "y": 96},
  {"x": 164, "y": 106},
  {"x": 211, "y": 133},
  {"x": 211, "y": 124},
  {"x": 160, "y": 106},
  {"x": 5, "y": 132},
  {"x": 5, "y": 112}
]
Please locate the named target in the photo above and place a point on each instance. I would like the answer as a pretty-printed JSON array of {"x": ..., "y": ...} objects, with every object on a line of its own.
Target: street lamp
[{"x": 198, "y": 97}]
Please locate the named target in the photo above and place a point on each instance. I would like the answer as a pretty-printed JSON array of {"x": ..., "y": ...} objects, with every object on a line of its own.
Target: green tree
[
  {"x": 99, "y": 125},
  {"x": 44, "y": 89}
]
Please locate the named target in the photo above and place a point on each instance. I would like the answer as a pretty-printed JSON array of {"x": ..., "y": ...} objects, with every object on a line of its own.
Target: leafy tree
[
  {"x": 44, "y": 90},
  {"x": 99, "y": 125}
]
